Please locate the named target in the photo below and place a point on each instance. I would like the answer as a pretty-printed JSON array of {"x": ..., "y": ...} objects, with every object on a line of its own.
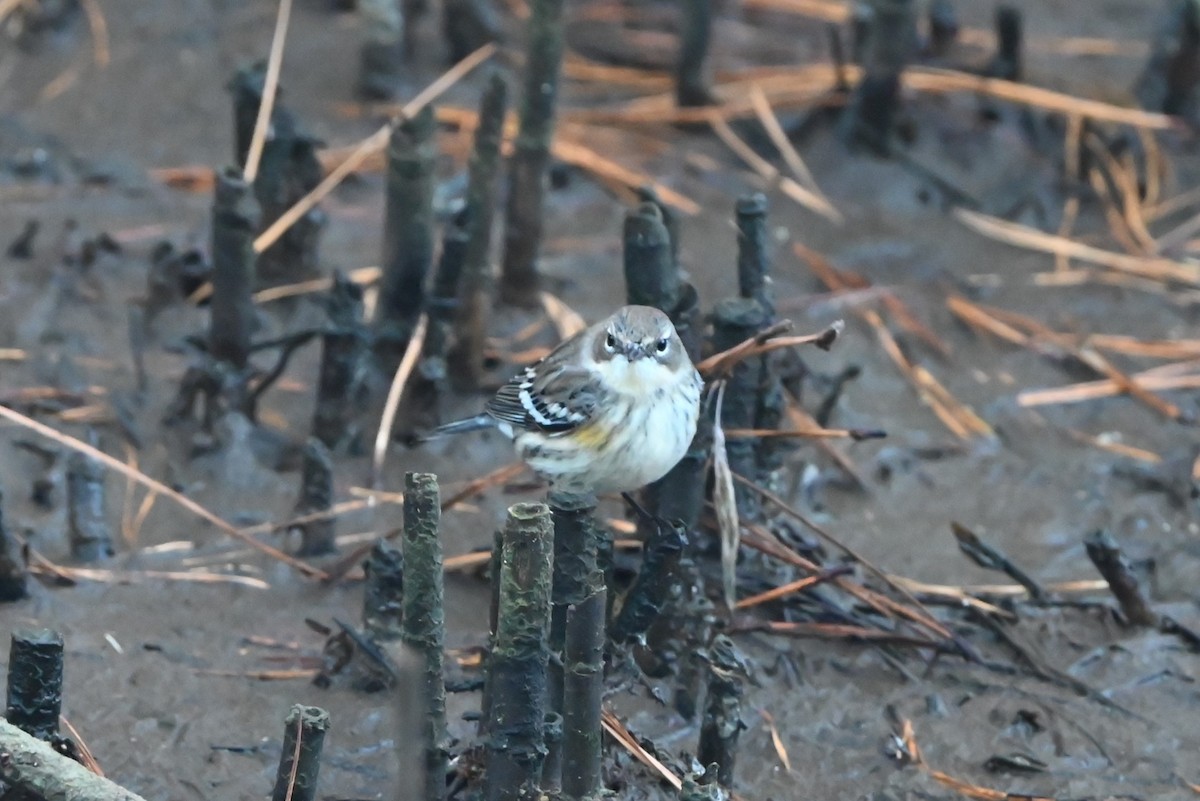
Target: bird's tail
[{"x": 476, "y": 423}]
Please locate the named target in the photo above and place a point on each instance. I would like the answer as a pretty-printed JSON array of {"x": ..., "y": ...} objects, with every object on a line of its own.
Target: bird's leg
[{"x": 654, "y": 520}]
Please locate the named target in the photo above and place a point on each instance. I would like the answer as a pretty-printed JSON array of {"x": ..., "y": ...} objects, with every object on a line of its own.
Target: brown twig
[{"x": 767, "y": 340}]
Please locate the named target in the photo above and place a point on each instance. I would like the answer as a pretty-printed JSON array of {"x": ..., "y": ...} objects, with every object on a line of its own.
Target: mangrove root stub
[
  {"x": 343, "y": 347},
  {"x": 35, "y": 679},
  {"x": 734, "y": 321},
  {"x": 754, "y": 252},
  {"x": 651, "y": 275},
  {"x": 424, "y": 627},
  {"x": 468, "y": 25},
  {"x": 407, "y": 233},
  {"x": 576, "y": 547},
  {"x": 519, "y": 280},
  {"x": 87, "y": 514},
  {"x": 475, "y": 286},
  {"x": 583, "y": 691},
  {"x": 381, "y": 60},
  {"x": 13, "y": 575},
  {"x": 235, "y": 221},
  {"x": 300, "y": 759},
  {"x": 411, "y": 705},
  {"x": 443, "y": 303},
  {"x": 1170, "y": 78},
  {"x": 517, "y": 715},
  {"x": 722, "y": 724},
  {"x": 868, "y": 119},
  {"x": 316, "y": 496},
  {"x": 36, "y": 768},
  {"x": 287, "y": 171},
  {"x": 655, "y": 584},
  {"x": 943, "y": 28},
  {"x": 1106, "y": 555},
  {"x": 691, "y": 75},
  {"x": 383, "y": 594}
]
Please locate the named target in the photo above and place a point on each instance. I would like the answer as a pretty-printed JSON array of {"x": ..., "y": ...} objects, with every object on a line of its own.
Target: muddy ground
[{"x": 140, "y": 655}]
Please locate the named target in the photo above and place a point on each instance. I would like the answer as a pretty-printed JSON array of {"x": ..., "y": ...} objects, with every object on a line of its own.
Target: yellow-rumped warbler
[{"x": 611, "y": 409}]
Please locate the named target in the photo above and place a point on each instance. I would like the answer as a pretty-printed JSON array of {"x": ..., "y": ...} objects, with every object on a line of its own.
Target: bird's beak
[{"x": 635, "y": 351}]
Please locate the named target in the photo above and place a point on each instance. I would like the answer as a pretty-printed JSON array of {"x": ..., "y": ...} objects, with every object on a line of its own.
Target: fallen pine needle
[{"x": 619, "y": 732}]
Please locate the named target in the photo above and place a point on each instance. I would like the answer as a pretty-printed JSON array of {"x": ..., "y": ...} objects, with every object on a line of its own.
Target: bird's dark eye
[
  {"x": 662, "y": 345},
  {"x": 610, "y": 342}
]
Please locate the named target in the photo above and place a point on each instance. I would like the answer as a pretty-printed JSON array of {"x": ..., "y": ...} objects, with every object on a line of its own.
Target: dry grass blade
[
  {"x": 1083, "y": 586},
  {"x": 86, "y": 757},
  {"x": 779, "y": 592},
  {"x": 12, "y": 355},
  {"x": 270, "y": 87},
  {"x": 567, "y": 321},
  {"x": 1112, "y": 446},
  {"x": 363, "y": 276},
  {"x": 856, "y": 434},
  {"x": 407, "y": 364},
  {"x": 959, "y": 418},
  {"x": 725, "y": 502},
  {"x": 1032, "y": 239},
  {"x": 367, "y": 147},
  {"x": 933, "y": 79},
  {"x": 619, "y": 732},
  {"x": 805, "y": 197},
  {"x": 98, "y": 26},
  {"x": 1129, "y": 384},
  {"x": 770, "y": 123},
  {"x": 106, "y": 576},
  {"x": 579, "y": 155},
  {"x": 1106, "y": 388},
  {"x": 265, "y": 675},
  {"x": 776, "y": 740},
  {"x": 155, "y": 486}
]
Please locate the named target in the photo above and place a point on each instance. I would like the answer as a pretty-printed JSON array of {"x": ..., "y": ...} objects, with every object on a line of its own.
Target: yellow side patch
[{"x": 590, "y": 436}]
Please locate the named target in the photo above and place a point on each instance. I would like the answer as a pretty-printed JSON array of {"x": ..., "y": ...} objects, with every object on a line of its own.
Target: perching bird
[{"x": 611, "y": 409}]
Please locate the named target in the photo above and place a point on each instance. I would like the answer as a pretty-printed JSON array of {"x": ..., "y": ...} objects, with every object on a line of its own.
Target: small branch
[
  {"x": 1106, "y": 555},
  {"x": 990, "y": 558},
  {"x": 764, "y": 342}
]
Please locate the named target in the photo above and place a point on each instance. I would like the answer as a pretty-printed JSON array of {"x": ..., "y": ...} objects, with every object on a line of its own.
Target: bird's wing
[{"x": 552, "y": 398}]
